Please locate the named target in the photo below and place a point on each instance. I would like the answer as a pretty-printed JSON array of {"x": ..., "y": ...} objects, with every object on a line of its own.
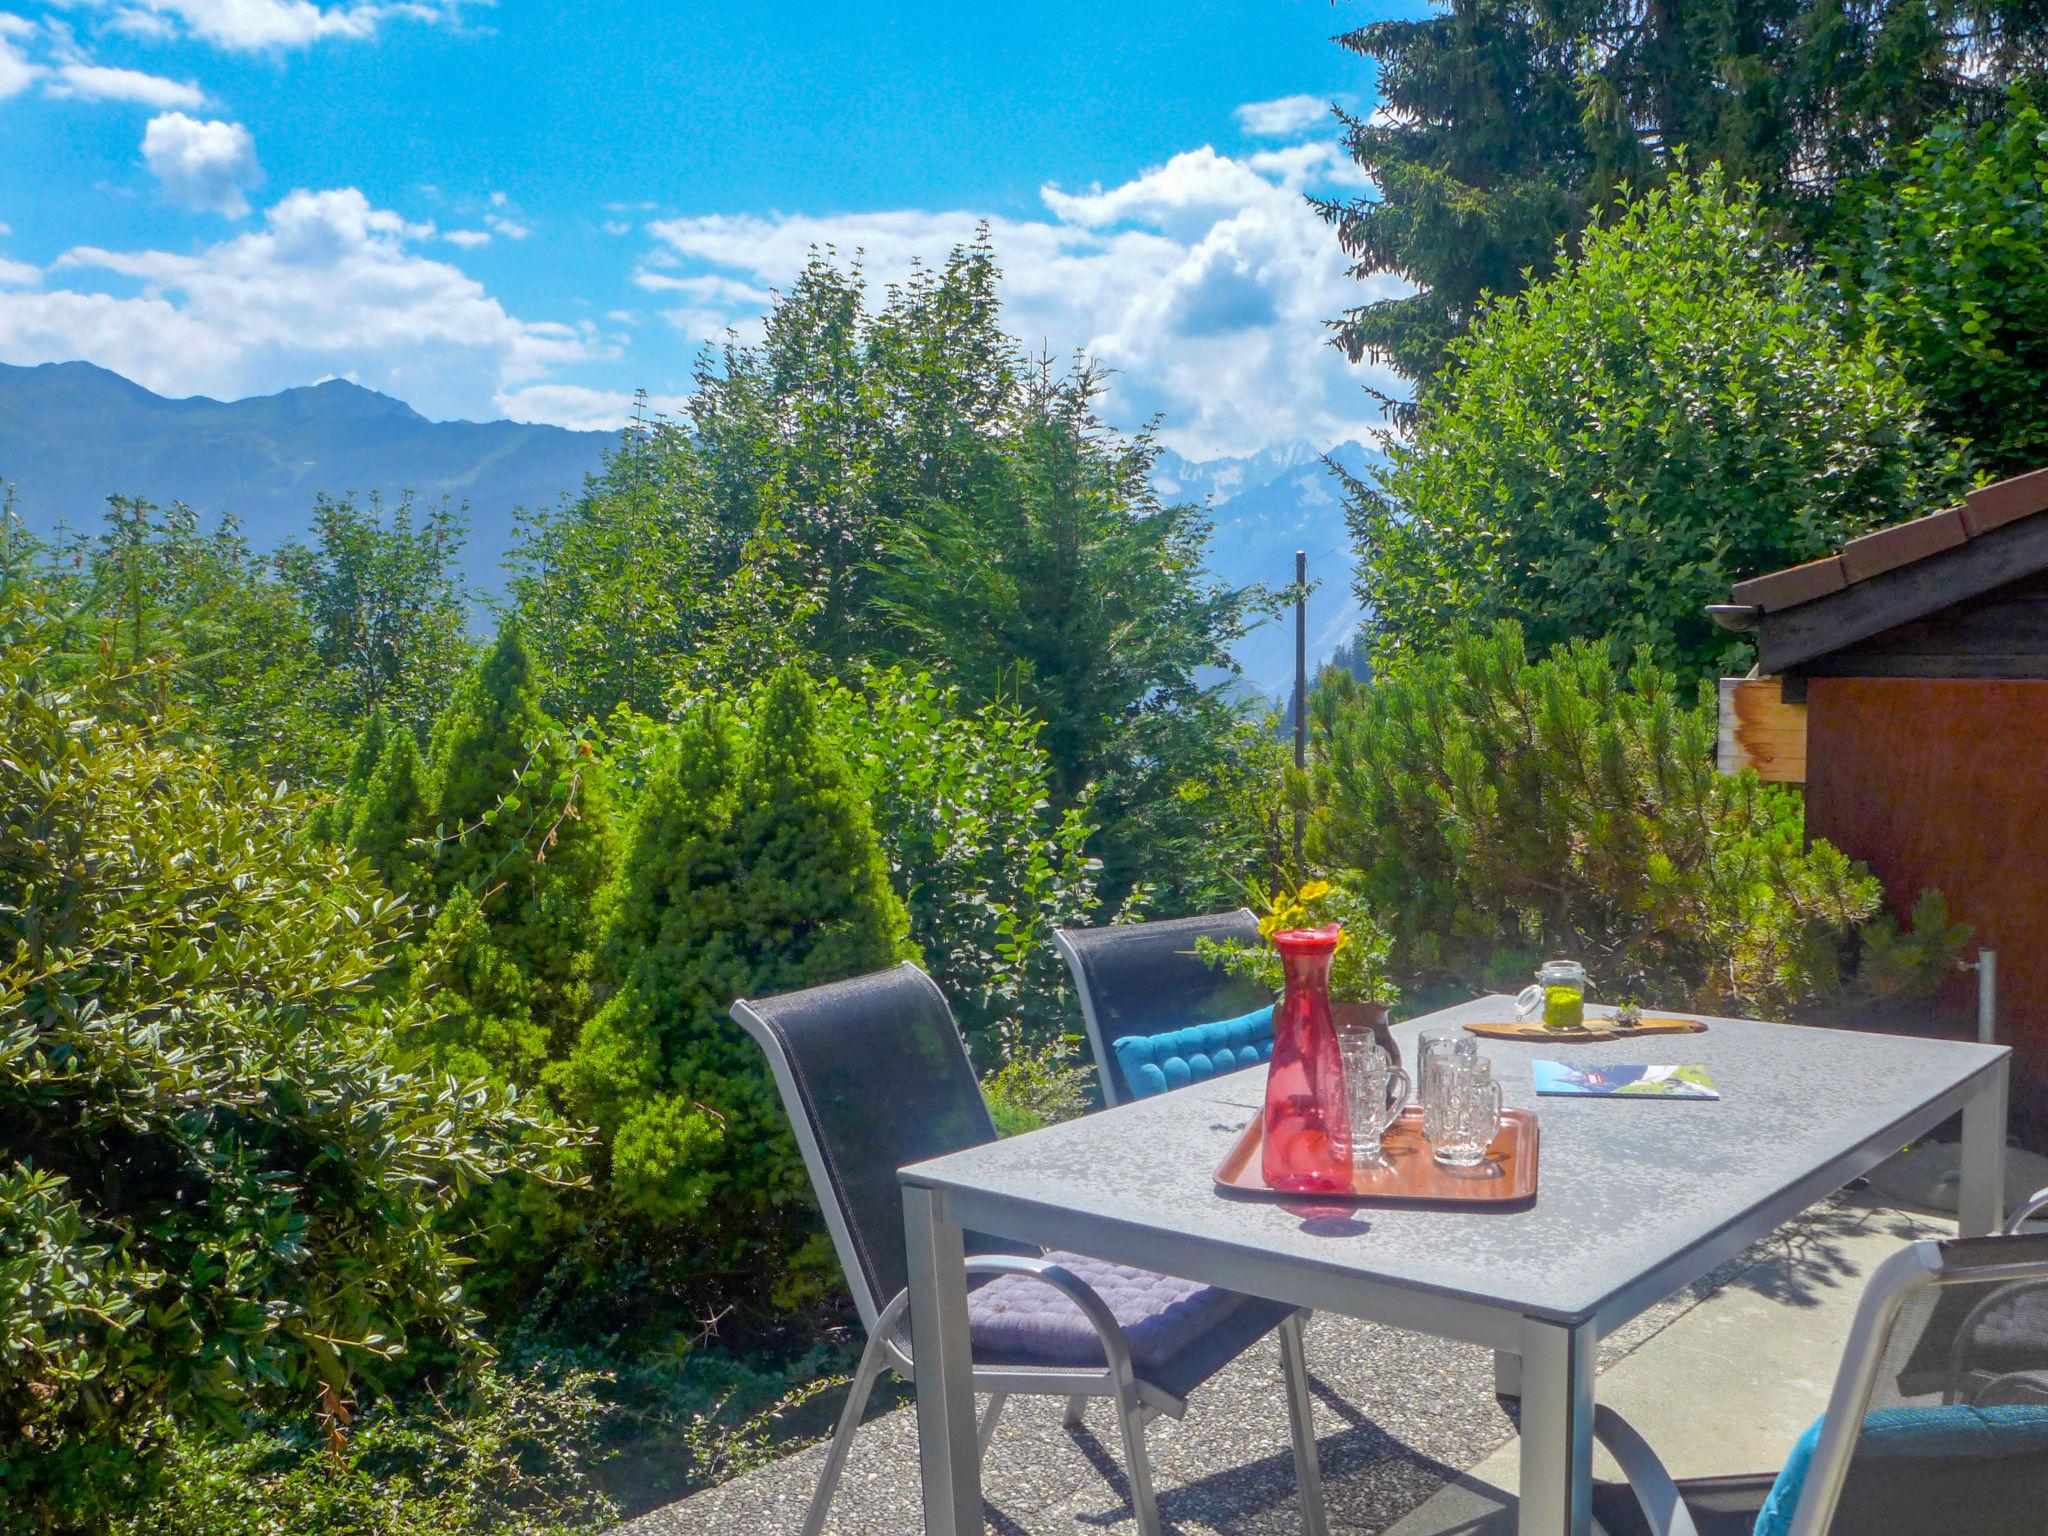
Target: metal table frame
[{"x": 1548, "y": 1360}]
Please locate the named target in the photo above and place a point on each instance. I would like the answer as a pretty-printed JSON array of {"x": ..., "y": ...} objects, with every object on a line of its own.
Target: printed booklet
[{"x": 1561, "y": 1080}]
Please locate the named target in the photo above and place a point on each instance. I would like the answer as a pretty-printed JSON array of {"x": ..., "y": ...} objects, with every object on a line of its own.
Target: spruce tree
[
  {"x": 333, "y": 820},
  {"x": 521, "y": 848},
  {"x": 1503, "y": 127},
  {"x": 746, "y": 874},
  {"x": 391, "y": 815}
]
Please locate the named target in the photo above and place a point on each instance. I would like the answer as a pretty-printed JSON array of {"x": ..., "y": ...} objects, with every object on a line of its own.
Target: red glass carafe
[{"x": 1308, "y": 1123}]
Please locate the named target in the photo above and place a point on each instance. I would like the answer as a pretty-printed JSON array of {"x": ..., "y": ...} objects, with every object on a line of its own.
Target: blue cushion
[
  {"x": 1903, "y": 1434},
  {"x": 1155, "y": 1063}
]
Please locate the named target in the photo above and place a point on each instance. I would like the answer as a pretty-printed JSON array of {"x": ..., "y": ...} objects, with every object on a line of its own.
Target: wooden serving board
[
  {"x": 1593, "y": 1029},
  {"x": 1407, "y": 1173}
]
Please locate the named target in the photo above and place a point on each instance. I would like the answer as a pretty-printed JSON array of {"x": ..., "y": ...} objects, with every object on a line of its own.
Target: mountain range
[{"x": 71, "y": 434}]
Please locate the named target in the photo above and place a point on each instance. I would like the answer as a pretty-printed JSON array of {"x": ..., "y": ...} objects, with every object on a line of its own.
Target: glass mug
[
  {"x": 1463, "y": 1111},
  {"x": 1440, "y": 1050},
  {"x": 1559, "y": 996},
  {"x": 1375, "y": 1090}
]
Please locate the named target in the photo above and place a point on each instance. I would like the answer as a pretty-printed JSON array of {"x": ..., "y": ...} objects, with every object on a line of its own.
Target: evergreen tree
[
  {"x": 1503, "y": 127},
  {"x": 521, "y": 848},
  {"x": 391, "y": 814},
  {"x": 745, "y": 875},
  {"x": 332, "y": 820}
]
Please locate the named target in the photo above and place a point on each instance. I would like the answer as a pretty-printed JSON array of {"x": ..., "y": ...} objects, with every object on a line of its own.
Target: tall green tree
[
  {"x": 1502, "y": 128},
  {"x": 746, "y": 873},
  {"x": 1670, "y": 411},
  {"x": 1062, "y": 580},
  {"x": 382, "y": 590},
  {"x": 1948, "y": 268},
  {"x": 506, "y": 832}
]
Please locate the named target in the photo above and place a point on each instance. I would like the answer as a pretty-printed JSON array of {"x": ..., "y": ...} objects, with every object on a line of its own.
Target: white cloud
[
  {"x": 202, "y": 164},
  {"x": 100, "y": 82},
  {"x": 511, "y": 229},
  {"x": 1283, "y": 117},
  {"x": 585, "y": 410},
  {"x": 468, "y": 239},
  {"x": 17, "y": 74},
  {"x": 1206, "y": 284},
  {"x": 251, "y": 25},
  {"x": 17, "y": 274},
  {"x": 328, "y": 285}
]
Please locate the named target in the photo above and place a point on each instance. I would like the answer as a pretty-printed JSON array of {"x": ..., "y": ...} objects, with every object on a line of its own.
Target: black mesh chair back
[
  {"x": 874, "y": 1075},
  {"x": 1146, "y": 979}
]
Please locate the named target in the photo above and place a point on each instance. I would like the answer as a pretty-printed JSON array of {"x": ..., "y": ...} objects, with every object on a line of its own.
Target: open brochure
[{"x": 1624, "y": 1081}]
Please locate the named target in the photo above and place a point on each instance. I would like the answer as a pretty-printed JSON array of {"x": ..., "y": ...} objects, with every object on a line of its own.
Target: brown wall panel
[{"x": 1944, "y": 782}]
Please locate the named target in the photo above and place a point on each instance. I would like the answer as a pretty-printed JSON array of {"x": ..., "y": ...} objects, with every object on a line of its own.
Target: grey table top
[{"x": 1628, "y": 1189}]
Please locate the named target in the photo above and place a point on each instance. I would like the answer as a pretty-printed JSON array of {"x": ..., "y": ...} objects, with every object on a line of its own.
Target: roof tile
[
  {"x": 1787, "y": 589},
  {"x": 2005, "y": 501},
  {"x": 1902, "y": 544}
]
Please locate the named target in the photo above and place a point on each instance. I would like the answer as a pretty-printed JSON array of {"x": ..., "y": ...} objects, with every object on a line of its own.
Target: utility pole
[{"x": 1300, "y": 685}]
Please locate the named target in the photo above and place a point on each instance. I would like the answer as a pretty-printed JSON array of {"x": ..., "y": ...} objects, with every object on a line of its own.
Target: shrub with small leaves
[{"x": 222, "y": 1189}]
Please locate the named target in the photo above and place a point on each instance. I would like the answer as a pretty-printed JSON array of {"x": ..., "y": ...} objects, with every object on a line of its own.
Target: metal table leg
[
  {"x": 1981, "y": 1199},
  {"x": 1507, "y": 1374},
  {"x": 1557, "y": 1430},
  {"x": 948, "y": 1448}
]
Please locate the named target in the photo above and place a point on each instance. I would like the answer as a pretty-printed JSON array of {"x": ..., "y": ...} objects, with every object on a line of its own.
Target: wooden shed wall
[{"x": 1943, "y": 782}]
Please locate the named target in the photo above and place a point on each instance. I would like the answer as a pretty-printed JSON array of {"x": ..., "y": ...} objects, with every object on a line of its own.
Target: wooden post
[{"x": 1300, "y": 684}]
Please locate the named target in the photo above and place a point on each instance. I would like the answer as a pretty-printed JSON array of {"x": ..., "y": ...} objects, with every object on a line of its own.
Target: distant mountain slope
[
  {"x": 72, "y": 434},
  {"x": 1265, "y": 508}
]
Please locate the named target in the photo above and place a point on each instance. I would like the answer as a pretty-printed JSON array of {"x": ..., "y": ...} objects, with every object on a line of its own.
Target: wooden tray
[
  {"x": 1593, "y": 1029},
  {"x": 1407, "y": 1174}
]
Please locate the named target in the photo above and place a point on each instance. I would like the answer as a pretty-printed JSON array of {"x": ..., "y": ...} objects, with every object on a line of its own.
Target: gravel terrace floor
[{"x": 1399, "y": 1415}]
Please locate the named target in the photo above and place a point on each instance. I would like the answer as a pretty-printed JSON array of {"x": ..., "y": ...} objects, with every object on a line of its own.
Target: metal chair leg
[
  {"x": 1075, "y": 1410},
  {"x": 1138, "y": 1465},
  {"x": 988, "y": 1420},
  {"x": 1301, "y": 1425},
  {"x": 857, "y": 1397}
]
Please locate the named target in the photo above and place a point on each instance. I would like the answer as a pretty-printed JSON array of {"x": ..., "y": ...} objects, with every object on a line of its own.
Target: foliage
[
  {"x": 520, "y": 844},
  {"x": 985, "y": 866},
  {"x": 1063, "y": 579},
  {"x": 1358, "y": 969},
  {"x": 746, "y": 874},
  {"x": 612, "y": 587},
  {"x": 382, "y": 592},
  {"x": 517, "y": 1452},
  {"x": 220, "y": 1188},
  {"x": 1503, "y": 128},
  {"x": 1498, "y": 809},
  {"x": 1949, "y": 270},
  {"x": 1669, "y": 412}
]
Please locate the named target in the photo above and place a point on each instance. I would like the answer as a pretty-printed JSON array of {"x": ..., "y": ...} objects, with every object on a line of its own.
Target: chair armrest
[
  {"x": 1662, "y": 1504},
  {"x": 1116, "y": 1349},
  {"x": 2031, "y": 1207}
]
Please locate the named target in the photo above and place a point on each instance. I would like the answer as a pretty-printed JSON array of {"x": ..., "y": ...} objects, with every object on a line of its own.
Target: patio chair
[
  {"x": 875, "y": 1076},
  {"x": 1938, "y": 1421},
  {"x": 1144, "y": 979}
]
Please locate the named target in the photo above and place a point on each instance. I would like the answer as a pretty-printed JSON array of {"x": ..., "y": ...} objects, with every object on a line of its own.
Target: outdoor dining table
[{"x": 1636, "y": 1199}]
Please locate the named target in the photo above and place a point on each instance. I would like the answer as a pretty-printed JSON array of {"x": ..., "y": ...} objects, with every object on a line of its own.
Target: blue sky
[{"x": 532, "y": 210}]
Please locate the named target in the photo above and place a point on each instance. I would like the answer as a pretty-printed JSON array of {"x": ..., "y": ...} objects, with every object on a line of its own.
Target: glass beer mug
[{"x": 1558, "y": 998}]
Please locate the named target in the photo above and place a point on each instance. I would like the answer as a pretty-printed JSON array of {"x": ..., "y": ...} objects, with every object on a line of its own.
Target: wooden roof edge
[{"x": 1981, "y": 511}]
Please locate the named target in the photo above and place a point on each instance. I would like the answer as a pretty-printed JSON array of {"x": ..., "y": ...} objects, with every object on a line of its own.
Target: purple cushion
[{"x": 1016, "y": 1320}]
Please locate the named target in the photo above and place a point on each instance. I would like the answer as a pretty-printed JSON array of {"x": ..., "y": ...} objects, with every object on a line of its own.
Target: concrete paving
[{"x": 1413, "y": 1441}]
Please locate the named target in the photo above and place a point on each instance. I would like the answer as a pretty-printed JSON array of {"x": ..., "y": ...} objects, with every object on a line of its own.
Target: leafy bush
[
  {"x": 516, "y": 1451},
  {"x": 1669, "y": 412},
  {"x": 1497, "y": 810},
  {"x": 220, "y": 1189},
  {"x": 746, "y": 874},
  {"x": 1358, "y": 970},
  {"x": 1950, "y": 270}
]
